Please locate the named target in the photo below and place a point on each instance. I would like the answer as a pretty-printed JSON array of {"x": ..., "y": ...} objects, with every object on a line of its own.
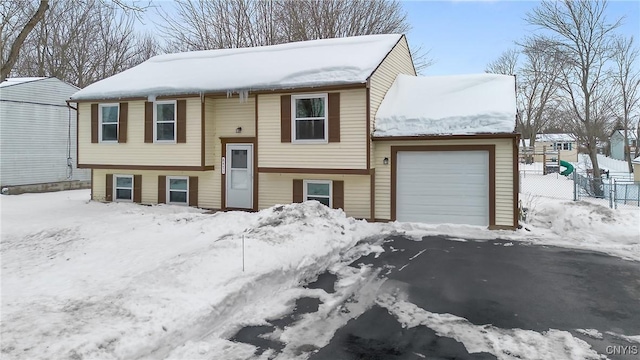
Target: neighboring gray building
[
  {"x": 616, "y": 143},
  {"x": 37, "y": 133}
]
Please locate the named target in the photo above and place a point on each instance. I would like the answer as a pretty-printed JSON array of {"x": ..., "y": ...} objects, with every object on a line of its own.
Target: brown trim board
[
  {"x": 313, "y": 171},
  {"x": 372, "y": 195},
  {"x": 78, "y": 141},
  {"x": 146, "y": 167},
  {"x": 223, "y": 177},
  {"x": 256, "y": 175},
  {"x": 92, "y": 198},
  {"x": 492, "y": 171},
  {"x": 445, "y": 137},
  {"x": 368, "y": 134}
]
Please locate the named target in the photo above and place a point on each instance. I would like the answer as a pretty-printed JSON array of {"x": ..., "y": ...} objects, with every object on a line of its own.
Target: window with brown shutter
[
  {"x": 162, "y": 189},
  {"x": 148, "y": 122},
  {"x": 109, "y": 188},
  {"x": 181, "y": 120},
  {"x": 285, "y": 118},
  {"x": 193, "y": 191},
  {"x": 137, "y": 188},
  {"x": 122, "y": 122},
  {"x": 94, "y": 123}
]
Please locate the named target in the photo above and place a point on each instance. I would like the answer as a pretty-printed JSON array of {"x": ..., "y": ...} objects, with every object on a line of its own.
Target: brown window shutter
[
  {"x": 148, "y": 122},
  {"x": 285, "y": 118},
  {"x": 193, "y": 191},
  {"x": 94, "y": 123},
  {"x": 181, "y": 122},
  {"x": 162, "y": 189},
  {"x": 298, "y": 193},
  {"x": 137, "y": 188},
  {"x": 122, "y": 122},
  {"x": 334, "y": 117},
  {"x": 338, "y": 195},
  {"x": 108, "y": 193}
]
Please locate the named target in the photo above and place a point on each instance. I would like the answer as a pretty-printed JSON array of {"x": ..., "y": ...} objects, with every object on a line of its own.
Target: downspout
[{"x": 69, "y": 159}]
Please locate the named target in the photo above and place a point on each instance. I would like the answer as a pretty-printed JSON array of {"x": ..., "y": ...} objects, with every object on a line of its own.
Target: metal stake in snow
[{"x": 242, "y": 252}]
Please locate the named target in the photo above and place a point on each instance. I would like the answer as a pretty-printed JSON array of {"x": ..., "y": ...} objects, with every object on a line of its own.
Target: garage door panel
[{"x": 443, "y": 187}]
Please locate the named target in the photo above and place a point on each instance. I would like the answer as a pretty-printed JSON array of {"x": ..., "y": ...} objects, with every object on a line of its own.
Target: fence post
[
  {"x": 610, "y": 194},
  {"x": 575, "y": 185}
]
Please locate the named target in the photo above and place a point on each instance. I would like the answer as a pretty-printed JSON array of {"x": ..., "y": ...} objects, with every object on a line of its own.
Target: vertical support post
[
  {"x": 610, "y": 194},
  {"x": 544, "y": 160},
  {"x": 575, "y": 185}
]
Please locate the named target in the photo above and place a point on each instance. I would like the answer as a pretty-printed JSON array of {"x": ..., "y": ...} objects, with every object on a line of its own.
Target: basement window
[{"x": 319, "y": 190}]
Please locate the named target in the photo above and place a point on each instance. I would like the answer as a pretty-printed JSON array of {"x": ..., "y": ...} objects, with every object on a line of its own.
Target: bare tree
[
  {"x": 627, "y": 82},
  {"x": 82, "y": 42},
  {"x": 203, "y": 24},
  {"x": 536, "y": 85},
  {"x": 580, "y": 31},
  {"x": 10, "y": 23}
]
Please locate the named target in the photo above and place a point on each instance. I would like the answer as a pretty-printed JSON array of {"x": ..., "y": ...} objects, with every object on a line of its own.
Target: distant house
[
  {"x": 616, "y": 144},
  {"x": 563, "y": 146},
  {"x": 345, "y": 122},
  {"x": 38, "y": 135}
]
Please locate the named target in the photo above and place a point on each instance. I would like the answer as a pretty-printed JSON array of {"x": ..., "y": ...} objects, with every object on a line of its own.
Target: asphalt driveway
[{"x": 509, "y": 285}]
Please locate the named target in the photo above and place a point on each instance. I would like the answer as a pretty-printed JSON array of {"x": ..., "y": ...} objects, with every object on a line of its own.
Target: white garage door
[{"x": 443, "y": 187}]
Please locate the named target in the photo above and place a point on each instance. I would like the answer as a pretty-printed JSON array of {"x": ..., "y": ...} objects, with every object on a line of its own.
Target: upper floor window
[
  {"x": 164, "y": 121},
  {"x": 108, "y": 122},
  {"x": 309, "y": 120}
]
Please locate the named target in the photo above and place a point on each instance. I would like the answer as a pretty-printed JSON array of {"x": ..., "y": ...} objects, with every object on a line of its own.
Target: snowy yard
[{"x": 82, "y": 279}]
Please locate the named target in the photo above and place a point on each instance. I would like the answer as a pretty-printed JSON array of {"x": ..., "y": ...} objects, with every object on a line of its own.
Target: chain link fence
[{"x": 607, "y": 191}]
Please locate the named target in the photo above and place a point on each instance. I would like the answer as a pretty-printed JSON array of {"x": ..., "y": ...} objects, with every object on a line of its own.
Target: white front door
[{"x": 239, "y": 176}]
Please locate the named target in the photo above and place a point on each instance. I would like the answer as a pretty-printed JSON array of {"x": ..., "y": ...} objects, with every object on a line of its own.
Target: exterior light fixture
[
  {"x": 238, "y": 129},
  {"x": 385, "y": 161}
]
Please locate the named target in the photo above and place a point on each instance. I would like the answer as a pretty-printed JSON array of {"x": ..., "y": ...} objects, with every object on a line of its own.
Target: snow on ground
[
  {"x": 459, "y": 104},
  {"x": 82, "y": 279},
  {"x": 88, "y": 280},
  {"x": 505, "y": 344}
]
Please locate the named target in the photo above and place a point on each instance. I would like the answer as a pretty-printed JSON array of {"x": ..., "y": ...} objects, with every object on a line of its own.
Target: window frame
[
  {"x": 175, "y": 121},
  {"x": 100, "y": 123},
  {"x": 305, "y": 194},
  {"x": 115, "y": 187},
  {"x": 294, "y": 118},
  {"x": 168, "y": 190}
]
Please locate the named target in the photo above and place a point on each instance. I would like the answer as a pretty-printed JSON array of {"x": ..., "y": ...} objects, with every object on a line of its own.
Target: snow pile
[
  {"x": 503, "y": 343},
  {"x": 448, "y": 105},
  {"x": 585, "y": 225},
  {"x": 110, "y": 281},
  {"x": 299, "y": 64}
]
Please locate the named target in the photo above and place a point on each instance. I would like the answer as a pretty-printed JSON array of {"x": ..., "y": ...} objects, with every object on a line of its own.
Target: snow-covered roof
[
  {"x": 285, "y": 66},
  {"x": 555, "y": 137},
  {"x": 19, "y": 80},
  {"x": 448, "y": 105}
]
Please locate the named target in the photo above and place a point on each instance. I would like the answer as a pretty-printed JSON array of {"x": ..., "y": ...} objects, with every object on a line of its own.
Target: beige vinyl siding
[
  {"x": 278, "y": 189},
  {"x": 397, "y": 62},
  {"x": 349, "y": 153},
  {"x": 224, "y": 116},
  {"x": 135, "y": 151},
  {"x": 566, "y": 155},
  {"x": 636, "y": 172},
  {"x": 209, "y": 137},
  {"x": 504, "y": 174},
  {"x": 208, "y": 192}
]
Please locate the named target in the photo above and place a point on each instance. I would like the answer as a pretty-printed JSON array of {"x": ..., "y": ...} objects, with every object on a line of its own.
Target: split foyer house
[{"x": 343, "y": 121}]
